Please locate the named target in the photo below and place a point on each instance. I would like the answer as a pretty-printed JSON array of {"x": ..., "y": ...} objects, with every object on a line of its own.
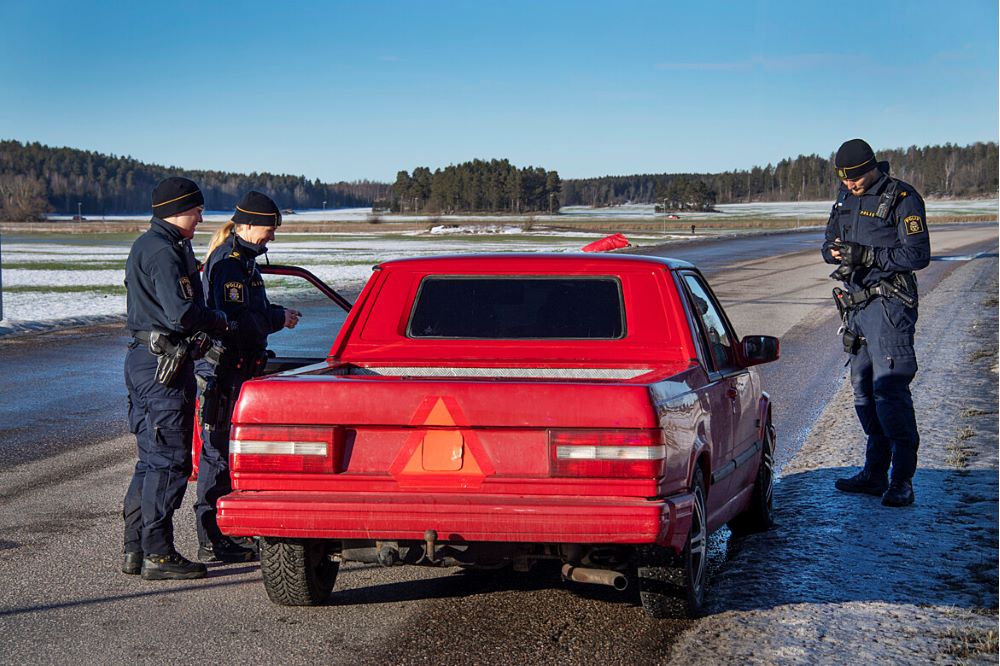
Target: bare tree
[{"x": 22, "y": 198}]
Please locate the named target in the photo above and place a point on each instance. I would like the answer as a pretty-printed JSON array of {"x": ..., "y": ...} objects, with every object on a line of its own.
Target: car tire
[
  {"x": 759, "y": 516},
  {"x": 671, "y": 585},
  {"x": 297, "y": 572}
]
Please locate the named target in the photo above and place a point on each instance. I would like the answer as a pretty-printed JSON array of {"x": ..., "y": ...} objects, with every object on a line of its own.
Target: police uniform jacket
[
  {"x": 900, "y": 239},
  {"x": 235, "y": 286},
  {"x": 163, "y": 288}
]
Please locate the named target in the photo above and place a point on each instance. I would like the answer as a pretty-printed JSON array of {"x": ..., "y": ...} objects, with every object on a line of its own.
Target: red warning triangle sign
[{"x": 441, "y": 453}]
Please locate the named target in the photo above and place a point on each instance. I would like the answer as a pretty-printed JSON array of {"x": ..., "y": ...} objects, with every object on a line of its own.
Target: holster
[
  {"x": 852, "y": 341},
  {"x": 209, "y": 404},
  {"x": 170, "y": 356},
  {"x": 903, "y": 286}
]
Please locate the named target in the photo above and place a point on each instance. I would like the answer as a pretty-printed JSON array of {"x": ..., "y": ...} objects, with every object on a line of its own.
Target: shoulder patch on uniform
[
  {"x": 186, "y": 289},
  {"x": 914, "y": 224},
  {"x": 234, "y": 292}
]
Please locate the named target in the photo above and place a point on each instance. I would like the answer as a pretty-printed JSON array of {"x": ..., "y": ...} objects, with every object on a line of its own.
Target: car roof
[{"x": 523, "y": 260}]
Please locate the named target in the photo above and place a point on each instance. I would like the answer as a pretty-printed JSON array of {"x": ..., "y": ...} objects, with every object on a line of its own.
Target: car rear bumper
[{"x": 455, "y": 518}]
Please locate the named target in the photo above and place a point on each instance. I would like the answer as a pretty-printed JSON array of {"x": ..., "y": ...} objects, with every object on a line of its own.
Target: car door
[
  {"x": 291, "y": 356},
  {"x": 730, "y": 387},
  {"x": 283, "y": 360}
]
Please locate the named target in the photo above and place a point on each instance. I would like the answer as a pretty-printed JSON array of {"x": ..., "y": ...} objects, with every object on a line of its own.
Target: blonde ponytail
[{"x": 220, "y": 236}]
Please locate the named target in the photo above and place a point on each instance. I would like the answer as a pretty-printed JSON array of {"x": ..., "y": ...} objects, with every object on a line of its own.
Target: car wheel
[
  {"x": 297, "y": 572},
  {"x": 759, "y": 516},
  {"x": 670, "y": 585}
]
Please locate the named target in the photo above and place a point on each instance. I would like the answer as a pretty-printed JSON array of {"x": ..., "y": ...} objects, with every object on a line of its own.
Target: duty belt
[
  {"x": 851, "y": 300},
  {"x": 856, "y": 299},
  {"x": 196, "y": 346}
]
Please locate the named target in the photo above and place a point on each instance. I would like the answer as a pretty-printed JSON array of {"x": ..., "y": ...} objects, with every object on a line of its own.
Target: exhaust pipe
[{"x": 614, "y": 579}]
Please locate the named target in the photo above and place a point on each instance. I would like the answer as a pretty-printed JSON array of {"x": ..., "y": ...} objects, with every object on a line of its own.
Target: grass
[
  {"x": 973, "y": 411},
  {"x": 105, "y": 289},
  {"x": 127, "y": 230},
  {"x": 105, "y": 236},
  {"x": 304, "y": 263},
  {"x": 82, "y": 265},
  {"x": 958, "y": 456},
  {"x": 966, "y": 433},
  {"x": 980, "y": 354},
  {"x": 959, "y": 453},
  {"x": 967, "y": 643}
]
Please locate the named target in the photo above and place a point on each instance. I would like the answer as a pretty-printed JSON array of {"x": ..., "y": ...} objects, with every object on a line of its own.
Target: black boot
[
  {"x": 225, "y": 551},
  {"x": 171, "y": 567},
  {"x": 900, "y": 493},
  {"x": 132, "y": 562},
  {"x": 863, "y": 482}
]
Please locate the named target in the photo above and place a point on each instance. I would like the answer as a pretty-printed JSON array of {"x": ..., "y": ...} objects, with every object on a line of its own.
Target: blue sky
[{"x": 352, "y": 90}]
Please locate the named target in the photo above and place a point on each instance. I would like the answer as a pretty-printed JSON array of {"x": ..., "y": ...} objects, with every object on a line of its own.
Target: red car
[{"x": 499, "y": 410}]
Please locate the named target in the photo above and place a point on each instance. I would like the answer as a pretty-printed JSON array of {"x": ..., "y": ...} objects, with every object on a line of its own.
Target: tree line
[
  {"x": 36, "y": 180},
  {"x": 496, "y": 186},
  {"x": 936, "y": 171}
]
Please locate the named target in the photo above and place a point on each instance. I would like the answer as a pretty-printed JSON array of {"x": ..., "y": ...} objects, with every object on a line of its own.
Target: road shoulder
[{"x": 843, "y": 578}]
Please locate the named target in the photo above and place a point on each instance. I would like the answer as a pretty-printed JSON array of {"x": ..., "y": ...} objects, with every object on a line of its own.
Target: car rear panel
[{"x": 406, "y": 457}]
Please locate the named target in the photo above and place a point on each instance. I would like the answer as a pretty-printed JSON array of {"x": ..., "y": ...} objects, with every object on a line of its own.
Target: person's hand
[
  {"x": 292, "y": 317},
  {"x": 856, "y": 255},
  {"x": 835, "y": 250}
]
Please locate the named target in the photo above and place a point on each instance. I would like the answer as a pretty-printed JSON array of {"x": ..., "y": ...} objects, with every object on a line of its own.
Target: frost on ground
[
  {"x": 843, "y": 575},
  {"x": 52, "y": 284}
]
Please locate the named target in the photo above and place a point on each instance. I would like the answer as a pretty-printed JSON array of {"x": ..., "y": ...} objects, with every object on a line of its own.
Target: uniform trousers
[
  {"x": 881, "y": 372},
  {"x": 162, "y": 420},
  {"x": 214, "y": 478}
]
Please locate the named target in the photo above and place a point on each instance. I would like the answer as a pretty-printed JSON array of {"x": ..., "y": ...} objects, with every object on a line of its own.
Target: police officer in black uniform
[
  {"x": 234, "y": 284},
  {"x": 877, "y": 237},
  {"x": 167, "y": 318}
]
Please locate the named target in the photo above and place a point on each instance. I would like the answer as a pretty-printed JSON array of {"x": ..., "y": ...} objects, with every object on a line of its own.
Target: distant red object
[{"x": 612, "y": 242}]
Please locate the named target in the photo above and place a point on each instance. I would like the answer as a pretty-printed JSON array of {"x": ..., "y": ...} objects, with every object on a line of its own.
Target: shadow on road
[
  {"x": 161, "y": 589},
  {"x": 829, "y": 546},
  {"x": 826, "y": 547},
  {"x": 464, "y": 583}
]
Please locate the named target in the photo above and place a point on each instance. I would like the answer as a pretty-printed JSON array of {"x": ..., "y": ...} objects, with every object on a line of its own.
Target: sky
[{"x": 360, "y": 90}]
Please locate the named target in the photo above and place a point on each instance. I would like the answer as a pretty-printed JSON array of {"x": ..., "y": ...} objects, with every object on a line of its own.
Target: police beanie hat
[
  {"x": 175, "y": 195},
  {"x": 257, "y": 209},
  {"x": 854, "y": 159}
]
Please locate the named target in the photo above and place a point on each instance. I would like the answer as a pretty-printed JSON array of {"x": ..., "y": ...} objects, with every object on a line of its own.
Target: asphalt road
[{"x": 65, "y": 459}]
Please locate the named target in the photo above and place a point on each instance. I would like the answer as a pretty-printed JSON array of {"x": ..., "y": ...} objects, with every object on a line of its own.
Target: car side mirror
[{"x": 757, "y": 349}]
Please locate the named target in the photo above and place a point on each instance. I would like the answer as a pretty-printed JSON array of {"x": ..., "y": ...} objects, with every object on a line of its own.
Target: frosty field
[{"x": 52, "y": 280}]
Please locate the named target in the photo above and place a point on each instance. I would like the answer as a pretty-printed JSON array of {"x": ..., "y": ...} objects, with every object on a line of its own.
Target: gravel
[{"x": 841, "y": 577}]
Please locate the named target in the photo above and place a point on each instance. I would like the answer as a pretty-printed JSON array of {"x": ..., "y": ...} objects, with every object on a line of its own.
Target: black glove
[
  {"x": 220, "y": 322},
  {"x": 855, "y": 255}
]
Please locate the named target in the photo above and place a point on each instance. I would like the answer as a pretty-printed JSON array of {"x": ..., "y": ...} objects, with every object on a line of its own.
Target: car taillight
[
  {"x": 308, "y": 449},
  {"x": 606, "y": 453}
]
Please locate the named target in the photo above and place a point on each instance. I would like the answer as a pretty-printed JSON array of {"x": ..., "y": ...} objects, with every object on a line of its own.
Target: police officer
[
  {"x": 877, "y": 236},
  {"x": 166, "y": 309},
  {"x": 234, "y": 285}
]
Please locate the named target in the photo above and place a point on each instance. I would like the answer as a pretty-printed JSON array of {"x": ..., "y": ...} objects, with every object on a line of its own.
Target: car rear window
[{"x": 521, "y": 308}]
